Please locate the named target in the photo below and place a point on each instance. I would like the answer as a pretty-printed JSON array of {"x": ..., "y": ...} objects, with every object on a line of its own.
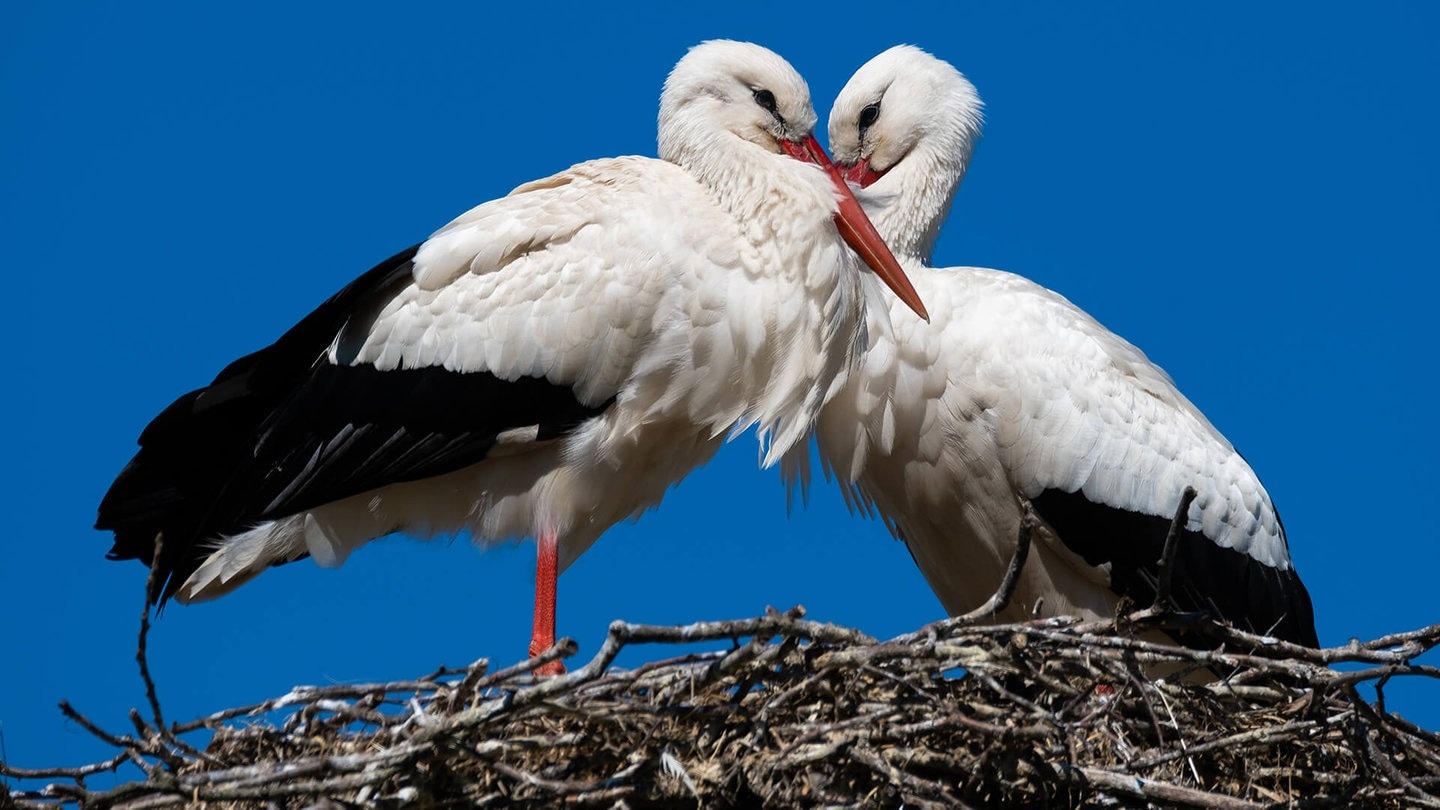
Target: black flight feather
[
  {"x": 1227, "y": 583},
  {"x": 283, "y": 430}
]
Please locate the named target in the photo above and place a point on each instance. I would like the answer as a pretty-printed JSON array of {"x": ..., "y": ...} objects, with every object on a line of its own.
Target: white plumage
[
  {"x": 545, "y": 365},
  {"x": 1011, "y": 392}
]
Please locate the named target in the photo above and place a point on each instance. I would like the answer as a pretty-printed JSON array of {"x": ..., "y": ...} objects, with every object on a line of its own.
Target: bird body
[
  {"x": 545, "y": 365},
  {"x": 1011, "y": 394},
  {"x": 647, "y": 332}
]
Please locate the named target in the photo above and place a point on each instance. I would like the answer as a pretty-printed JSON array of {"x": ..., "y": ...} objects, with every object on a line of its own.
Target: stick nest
[{"x": 1048, "y": 713}]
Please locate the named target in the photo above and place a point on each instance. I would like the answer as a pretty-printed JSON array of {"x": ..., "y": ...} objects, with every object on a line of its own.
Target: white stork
[
  {"x": 1012, "y": 392},
  {"x": 545, "y": 365}
]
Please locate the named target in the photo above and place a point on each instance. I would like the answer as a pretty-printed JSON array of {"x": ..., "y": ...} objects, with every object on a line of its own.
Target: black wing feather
[
  {"x": 283, "y": 430},
  {"x": 1227, "y": 583},
  {"x": 351, "y": 429}
]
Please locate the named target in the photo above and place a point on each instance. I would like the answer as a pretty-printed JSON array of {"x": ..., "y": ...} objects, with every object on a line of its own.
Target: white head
[
  {"x": 727, "y": 108},
  {"x": 737, "y": 88},
  {"x": 905, "y": 126}
]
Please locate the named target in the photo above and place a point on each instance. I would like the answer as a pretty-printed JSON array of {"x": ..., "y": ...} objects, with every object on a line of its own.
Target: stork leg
[{"x": 547, "y": 571}]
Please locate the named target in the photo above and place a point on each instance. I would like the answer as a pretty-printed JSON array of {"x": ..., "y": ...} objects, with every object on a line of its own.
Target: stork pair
[{"x": 548, "y": 363}]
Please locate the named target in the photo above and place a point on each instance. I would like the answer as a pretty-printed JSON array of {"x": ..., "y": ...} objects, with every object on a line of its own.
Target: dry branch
[{"x": 1048, "y": 713}]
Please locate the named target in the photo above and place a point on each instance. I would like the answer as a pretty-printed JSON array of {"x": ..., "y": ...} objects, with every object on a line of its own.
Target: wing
[
  {"x": 189, "y": 454},
  {"x": 1254, "y": 596},
  {"x": 510, "y": 326},
  {"x": 1102, "y": 442}
]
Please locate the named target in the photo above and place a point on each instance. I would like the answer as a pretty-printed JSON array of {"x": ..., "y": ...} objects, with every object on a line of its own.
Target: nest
[{"x": 1047, "y": 713}]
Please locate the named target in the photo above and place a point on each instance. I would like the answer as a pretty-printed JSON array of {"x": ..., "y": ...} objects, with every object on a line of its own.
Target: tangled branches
[
  {"x": 793, "y": 712},
  {"x": 1052, "y": 712}
]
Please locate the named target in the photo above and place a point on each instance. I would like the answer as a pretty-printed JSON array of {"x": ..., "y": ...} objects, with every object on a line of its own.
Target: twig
[
  {"x": 1393, "y": 774},
  {"x": 86, "y": 723},
  {"x": 1233, "y": 742},
  {"x": 791, "y": 711},
  {"x": 1166, "y": 562},
  {"x": 80, "y": 772},
  {"x": 1151, "y": 790},
  {"x": 151, "y": 581},
  {"x": 1000, "y": 600}
]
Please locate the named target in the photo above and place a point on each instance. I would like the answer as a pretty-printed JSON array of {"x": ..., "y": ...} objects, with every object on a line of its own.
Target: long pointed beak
[{"x": 857, "y": 230}]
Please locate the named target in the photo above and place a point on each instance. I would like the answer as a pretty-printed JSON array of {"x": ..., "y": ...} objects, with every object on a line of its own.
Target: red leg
[{"x": 547, "y": 571}]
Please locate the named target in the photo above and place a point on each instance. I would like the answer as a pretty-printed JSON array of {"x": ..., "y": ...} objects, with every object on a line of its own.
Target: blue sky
[{"x": 1246, "y": 192}]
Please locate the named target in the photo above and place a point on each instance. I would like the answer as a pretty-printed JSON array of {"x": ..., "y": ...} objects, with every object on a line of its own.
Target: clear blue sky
[{"x": 1246, "y": 191}]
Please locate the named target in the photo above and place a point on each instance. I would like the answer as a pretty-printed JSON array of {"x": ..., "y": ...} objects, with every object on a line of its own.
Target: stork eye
[
  {"x": 765, "y": 99},
  {"x": 868, "y": 116}
]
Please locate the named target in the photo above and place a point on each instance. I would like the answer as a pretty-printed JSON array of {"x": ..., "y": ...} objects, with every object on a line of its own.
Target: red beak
[
  {"x": 861, "y": 174},
  {"x": 857, "y": 229}
]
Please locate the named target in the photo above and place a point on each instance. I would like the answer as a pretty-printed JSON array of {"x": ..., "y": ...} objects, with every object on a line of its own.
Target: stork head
[
  {"x": 724, "y": 93},
  {"x": 902, "y": 101},
  {"x": 908, "y": 112},
  {"x": 735, "y": 87}
]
